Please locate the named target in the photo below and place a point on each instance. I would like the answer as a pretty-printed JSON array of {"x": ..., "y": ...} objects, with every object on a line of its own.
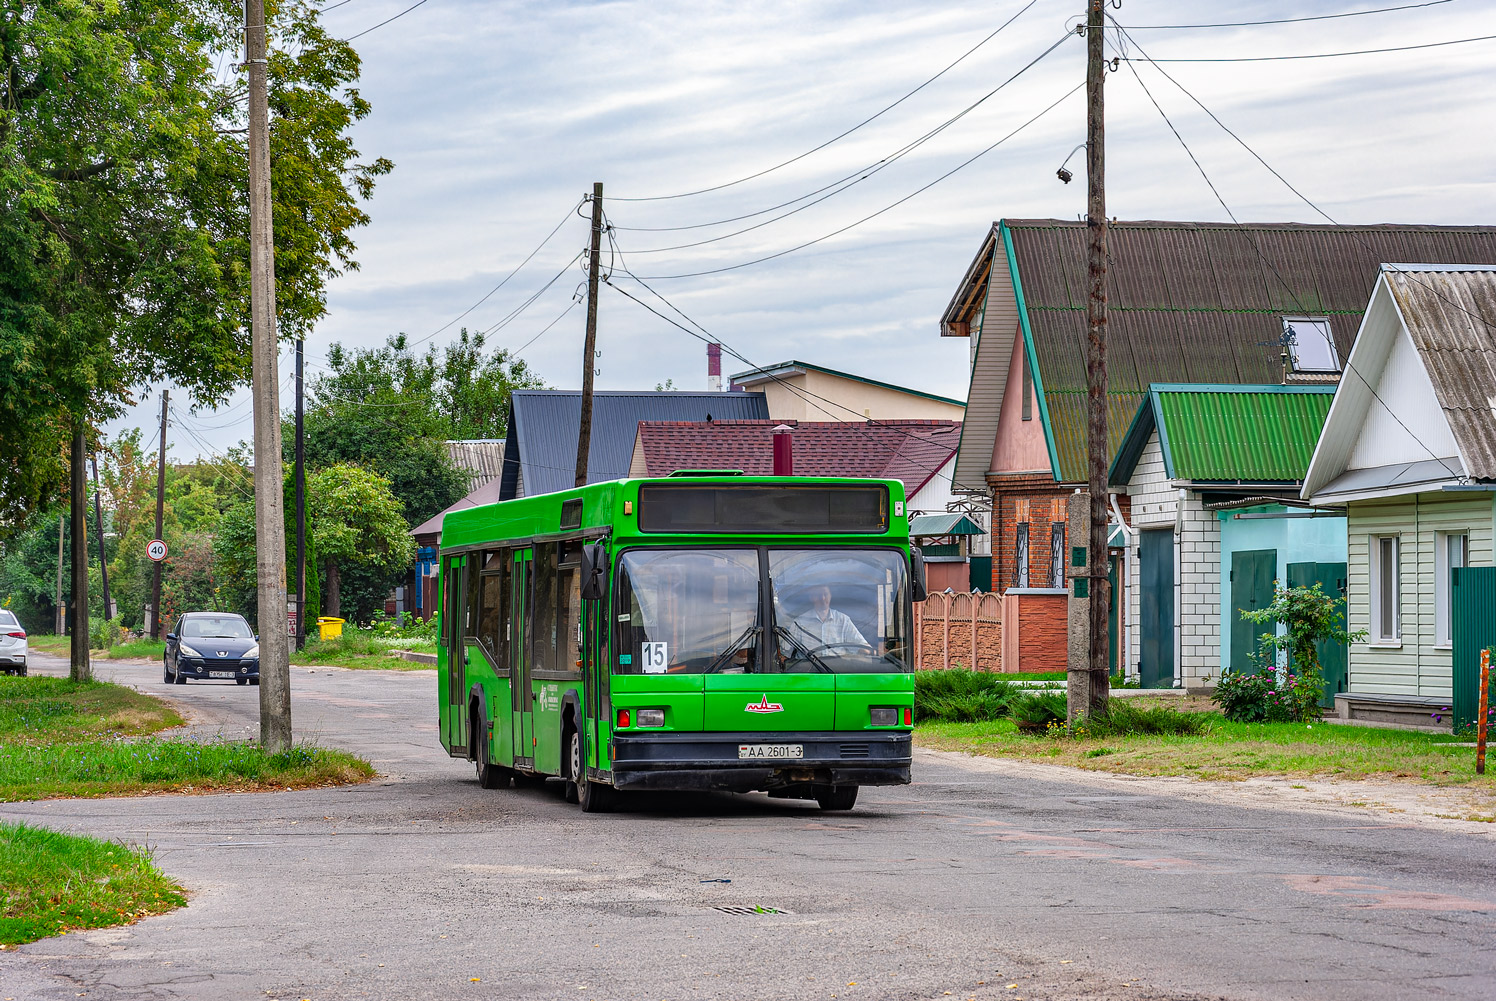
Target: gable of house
[
  {"x": 797, "y": 390},
  {"x": 1188, "y": 302}
]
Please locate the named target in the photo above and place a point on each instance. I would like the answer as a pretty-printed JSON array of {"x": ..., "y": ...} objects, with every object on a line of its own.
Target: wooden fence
[{"x": 959, "y": 630}]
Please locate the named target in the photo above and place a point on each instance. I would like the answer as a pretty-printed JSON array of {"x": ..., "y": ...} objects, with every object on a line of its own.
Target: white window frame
[
  {"x": 1443, "y": 564},
  {"x": 1322, "y": 325},
  {"x": 1374, "y": 551}
]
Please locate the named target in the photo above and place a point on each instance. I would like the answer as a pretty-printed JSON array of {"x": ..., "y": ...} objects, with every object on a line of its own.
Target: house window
[
  {"x": 1311, "y": 347},
  {"x": 1386, "y": 589},
  {"x": 1057, "y": 554},
  {"x": 1021, "y": 556},
  {"x": 1451, "y": 551},
  {"x": 1028, "y": 385}
]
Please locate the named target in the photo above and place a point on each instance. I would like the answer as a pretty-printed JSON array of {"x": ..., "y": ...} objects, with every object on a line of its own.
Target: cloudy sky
[{"x": 499, "y": 116}]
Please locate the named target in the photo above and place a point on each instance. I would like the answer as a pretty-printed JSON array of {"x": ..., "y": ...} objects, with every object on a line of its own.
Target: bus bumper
[{"x": 700, "y": 761}]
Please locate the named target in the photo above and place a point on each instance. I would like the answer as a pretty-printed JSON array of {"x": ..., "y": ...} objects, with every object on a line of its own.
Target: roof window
[{"x": 1310, "y": 345}]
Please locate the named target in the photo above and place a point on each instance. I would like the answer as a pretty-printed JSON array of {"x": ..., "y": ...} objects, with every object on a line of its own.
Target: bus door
[
  {"x": 454, "y": 608},
  {"x": 595, "y": 682},
  {"x": 520, "y": 684}
]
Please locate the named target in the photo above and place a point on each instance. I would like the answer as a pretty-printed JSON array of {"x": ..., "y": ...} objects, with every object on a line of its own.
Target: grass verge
[
  {"x": 148, "y": 649},
  {"x": 48, "y": 711},
  {"x": 1230, "y": 751},
  {"x": 362, "y": 650},
  {"x": 58, "y": 646},
  {"x": 51, "y": 883}
]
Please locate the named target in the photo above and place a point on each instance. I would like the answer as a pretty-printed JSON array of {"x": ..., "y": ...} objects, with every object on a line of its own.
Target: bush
[
  {"x": 106, "y": 633},
  {"x": 961, "y": 696},
  {"x": 1037, "y": 710},
  {"x": 1262, "y": 698},
  {"x": 1123, "y": 718}
]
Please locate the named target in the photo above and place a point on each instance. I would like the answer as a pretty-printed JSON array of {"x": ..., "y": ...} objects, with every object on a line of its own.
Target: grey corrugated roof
[
  {"x": 1451, "y": 317},
  {"x": 1201, "y": 302},
  {"x": 481, "y": 458},
  {"x": 541, "y": 450}
]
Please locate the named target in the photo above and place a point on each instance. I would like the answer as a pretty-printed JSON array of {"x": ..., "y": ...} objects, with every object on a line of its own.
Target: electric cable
[
  {"x": 874, "y": 215},
  {"x": 1319, "y": 55},
  {"x": 1288, "y": 20},
  {"x": 837, "y": 138},
  {"x": 381, "y": 24}
]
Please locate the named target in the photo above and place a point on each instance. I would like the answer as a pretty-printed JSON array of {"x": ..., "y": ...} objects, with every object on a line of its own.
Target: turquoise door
[
  {"x": 1252, "y": 572},
  {"x": 1156, "y": 608},
  {"x": 1331, "y": 578},
  {"x": 1472, "y": 611}
]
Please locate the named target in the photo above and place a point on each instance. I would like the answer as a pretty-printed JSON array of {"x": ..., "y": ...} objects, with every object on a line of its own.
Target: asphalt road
[{"x": 980, "y": 880}]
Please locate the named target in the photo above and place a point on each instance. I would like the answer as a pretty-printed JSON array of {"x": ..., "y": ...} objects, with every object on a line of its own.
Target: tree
[
  {"x": 123, "y": 215},
  {"x": 358, "y": 525},
  {"x": 391, "y": 410},
  {"x": 1309, "y": 617},
  {"x": 234, "y": 562}
]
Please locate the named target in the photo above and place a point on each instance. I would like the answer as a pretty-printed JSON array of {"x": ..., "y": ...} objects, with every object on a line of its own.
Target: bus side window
[
  {"x": 547, "y": 651},
  {"x": 569, "y": 611},
  {"x": 473, "y": 595},
  {"x": 494, "y": 608}
]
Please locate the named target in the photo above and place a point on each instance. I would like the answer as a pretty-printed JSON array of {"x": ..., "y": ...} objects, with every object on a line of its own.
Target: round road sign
[{"x": 156, "y": 550}]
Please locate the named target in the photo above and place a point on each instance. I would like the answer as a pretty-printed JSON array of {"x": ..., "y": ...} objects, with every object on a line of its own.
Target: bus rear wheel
[
  {"x": 592, "y": 797},
  {"x": 836, "y": 797}
]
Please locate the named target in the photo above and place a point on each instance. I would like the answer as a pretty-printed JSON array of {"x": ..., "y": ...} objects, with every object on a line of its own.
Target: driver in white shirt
[{"x": 824, "y": 629}]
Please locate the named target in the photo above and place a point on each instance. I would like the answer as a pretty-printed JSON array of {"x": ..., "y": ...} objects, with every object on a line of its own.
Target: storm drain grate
[{"x": 749, "y": 910}]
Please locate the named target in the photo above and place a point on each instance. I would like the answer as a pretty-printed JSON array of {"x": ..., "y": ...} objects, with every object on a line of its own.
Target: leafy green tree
[
  {"x": 234, "y": 561},
  {"x": 124, "y": 254},
  {"x": 359, "y": 527}
]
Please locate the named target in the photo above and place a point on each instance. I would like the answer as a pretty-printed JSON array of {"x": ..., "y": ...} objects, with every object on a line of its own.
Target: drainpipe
[
  {"x": 1124, "y": 631},
  {"x": 1179, "y": 588}
]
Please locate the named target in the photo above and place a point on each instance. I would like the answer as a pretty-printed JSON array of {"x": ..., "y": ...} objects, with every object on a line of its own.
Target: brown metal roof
[
  {"x": 1451, "y": 316},
  {"x": 1202, "y": 302}
]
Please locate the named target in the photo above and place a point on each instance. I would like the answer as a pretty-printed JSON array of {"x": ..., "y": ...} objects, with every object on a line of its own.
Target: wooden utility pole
[
  {"x": 1098, "y": 683},
  {"x": 99, "y": 528},
  {"x": 160, "y": 503},
  {"x": 300, "y": 476},
  {"x": 589, "y": 354},
  {"x": 270, "y": 524},
  {"x": 80, "y": 669}
]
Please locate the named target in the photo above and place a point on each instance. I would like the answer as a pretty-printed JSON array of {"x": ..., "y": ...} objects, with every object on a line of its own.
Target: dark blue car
[{"x": 213, "y": 645}]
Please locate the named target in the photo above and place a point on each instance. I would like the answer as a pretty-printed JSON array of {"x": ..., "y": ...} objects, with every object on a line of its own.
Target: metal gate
[
  {"x": 1331, "y": 579},
  {"x": 1252, "y": 572},
  {"x": 1472, "y": 611},
  {"x": 1156, "y": 608}
]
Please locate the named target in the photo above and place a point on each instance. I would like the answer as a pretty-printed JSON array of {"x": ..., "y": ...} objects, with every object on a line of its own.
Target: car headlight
[
  {"x": 188, "y": 651},
  {"x": 253, "y": 653}
]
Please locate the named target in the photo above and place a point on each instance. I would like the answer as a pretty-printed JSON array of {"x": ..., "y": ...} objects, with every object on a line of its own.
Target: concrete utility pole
[
  {"x": 99, "y": 527},
  {"x": 160, "y": 503},
  {"x": 1089, "y": 690},
  {"x": 300, "y": 476},
  {"x": 80, "y": 669},
  {"x": 270, "y": 524},
  {"x": 589, "y": 354}
]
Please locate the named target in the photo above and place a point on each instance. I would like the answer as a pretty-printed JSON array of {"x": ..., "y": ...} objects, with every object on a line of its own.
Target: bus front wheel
[
  {"x": 836, "y": 797},
  {"x": 593, "y": 797}
]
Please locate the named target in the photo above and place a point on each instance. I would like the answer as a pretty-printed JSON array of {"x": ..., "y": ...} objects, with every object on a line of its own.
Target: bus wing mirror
[
  {"x": 594, "y": 571},
  {"x": 917, "y": 561}
]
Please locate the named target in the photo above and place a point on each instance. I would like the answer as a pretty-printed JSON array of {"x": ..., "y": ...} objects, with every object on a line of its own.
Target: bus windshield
[{"x": 693, "y": 611}]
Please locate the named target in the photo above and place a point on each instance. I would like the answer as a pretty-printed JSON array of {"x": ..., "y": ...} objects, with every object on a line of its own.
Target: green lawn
[
  {"x": 51, "y": 882},
  {"x": 1232, "y": 751},
  {"x": 361, "y": 649},
  {"x": 147, "y": 648}
]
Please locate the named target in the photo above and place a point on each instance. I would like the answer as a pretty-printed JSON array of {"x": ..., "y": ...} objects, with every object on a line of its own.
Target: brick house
[{"x": 1188, "y": 303}]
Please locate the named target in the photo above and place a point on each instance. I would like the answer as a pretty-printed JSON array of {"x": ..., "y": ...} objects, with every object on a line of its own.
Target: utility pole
[
  {"x": 589, "y": 354},
  {"x": 1098, "y": 683},
  {"x": 80, "y": 669},
  {"x": 99, "y": 528},
  {"x": 270, "y": 524},
  {"x": 62, "y": 626},
  {"x": 300, "y": 508},
  {"x": 160, "y": 503}
]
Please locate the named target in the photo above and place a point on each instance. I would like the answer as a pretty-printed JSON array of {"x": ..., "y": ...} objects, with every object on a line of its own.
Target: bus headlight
[
  {"x": 651, "y": 717},
  {"x": 883, "y": 716}
]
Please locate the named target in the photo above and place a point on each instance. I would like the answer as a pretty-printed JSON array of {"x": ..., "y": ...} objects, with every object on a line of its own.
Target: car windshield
[
  {"x": 225, "y": 627},
  {"x": 693, "y": 611},
  {"x": 687, "y": 611},
  {"x": 840, "y": 610}
]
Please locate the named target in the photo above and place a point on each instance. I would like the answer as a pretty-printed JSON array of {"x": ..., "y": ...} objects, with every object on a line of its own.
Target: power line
[
  {"x": 381, "y": 24},
  {"x": 1288, "y": 20},
  {"x": 857, "y": 176},
  {"x": 514, "y": 313},
  {"x": 874, "y": 215},
  {"x": 868, "y": 171},
  {"x": 1273, "y": 268},
  {"x": 1320, "y": 55},
  {"x": 838, "y": 138}
]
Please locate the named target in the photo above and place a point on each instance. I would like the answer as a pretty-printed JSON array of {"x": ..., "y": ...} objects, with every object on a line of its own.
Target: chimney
[
  {"x": 784, "y": 450},
  {"x": 714, "y": 368}
]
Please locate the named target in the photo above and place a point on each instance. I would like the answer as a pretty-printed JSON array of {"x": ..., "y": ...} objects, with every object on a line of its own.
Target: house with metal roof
[
  {"x": 1409, "y": 449},
  {"x": 1189, "y": 302},
  {"x": 1212, "y": 476},
  {"x": 798, "y": 390}
]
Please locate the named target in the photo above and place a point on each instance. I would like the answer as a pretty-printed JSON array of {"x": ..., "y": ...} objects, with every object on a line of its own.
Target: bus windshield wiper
[
  {"x": 810, "y": 654},
  {"x": 732, "y": 648}
]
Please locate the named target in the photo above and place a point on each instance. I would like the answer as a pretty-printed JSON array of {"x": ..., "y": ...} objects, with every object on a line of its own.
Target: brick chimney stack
[{"x": 714, "y": 368}]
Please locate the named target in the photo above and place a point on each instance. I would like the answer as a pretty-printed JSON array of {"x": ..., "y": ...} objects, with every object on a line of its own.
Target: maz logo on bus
[{"x": 764, "y": 706}]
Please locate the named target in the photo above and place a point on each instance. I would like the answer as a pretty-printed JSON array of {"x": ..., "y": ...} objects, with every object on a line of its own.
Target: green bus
[{"x": 703, "y": 631}]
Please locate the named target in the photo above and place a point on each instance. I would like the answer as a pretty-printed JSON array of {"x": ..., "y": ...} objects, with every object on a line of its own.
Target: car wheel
[
  {"x": 241, "y": 681},
  {"x": 165, "y": 672},
  {"x": 836, "y": 797},
  {"x": 23, "y": 669},
  {"x": 179, "y": 677},
  {"x": 254, "y": 681}
]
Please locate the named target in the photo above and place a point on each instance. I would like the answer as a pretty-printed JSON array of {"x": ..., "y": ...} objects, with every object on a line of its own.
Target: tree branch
[{"x": 81, "y": 173}]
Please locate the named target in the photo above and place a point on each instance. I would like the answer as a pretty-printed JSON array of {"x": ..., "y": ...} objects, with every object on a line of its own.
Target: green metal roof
[
  {"x": 1227, "y": 433},
  {"x": 952, "y": 523}
]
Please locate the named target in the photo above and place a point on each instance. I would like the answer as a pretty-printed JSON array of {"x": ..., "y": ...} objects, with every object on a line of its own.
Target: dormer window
[{"x": 1311, "y": 347}]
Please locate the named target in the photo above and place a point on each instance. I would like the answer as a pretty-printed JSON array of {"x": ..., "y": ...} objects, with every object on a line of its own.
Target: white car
[{"x": 12, "y": 644}]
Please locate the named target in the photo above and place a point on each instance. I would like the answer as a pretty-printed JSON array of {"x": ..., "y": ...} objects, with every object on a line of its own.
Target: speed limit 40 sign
[{"x": 156, "y": 550}]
